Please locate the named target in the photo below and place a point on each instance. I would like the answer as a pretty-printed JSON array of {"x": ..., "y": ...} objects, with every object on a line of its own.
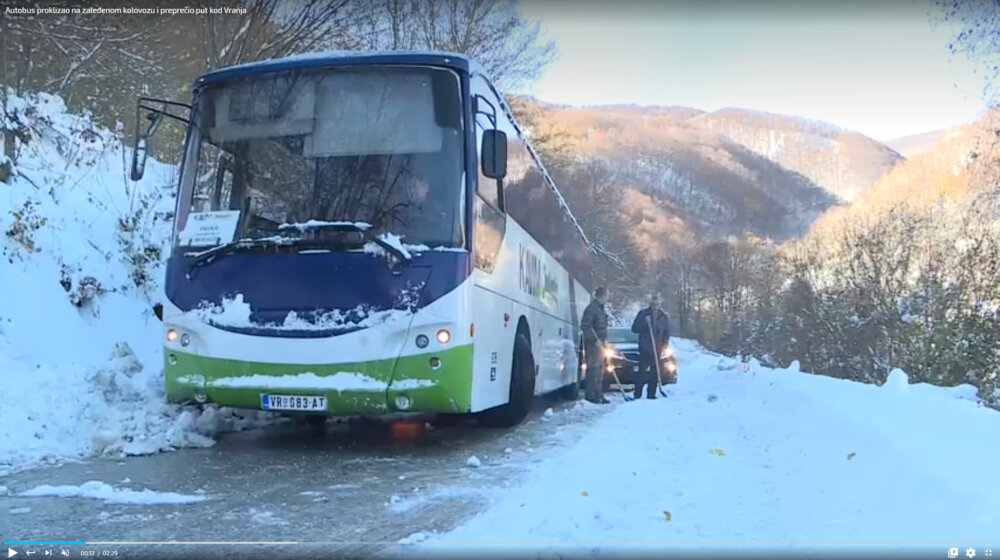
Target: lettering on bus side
[{"x": 535, "y": 278}]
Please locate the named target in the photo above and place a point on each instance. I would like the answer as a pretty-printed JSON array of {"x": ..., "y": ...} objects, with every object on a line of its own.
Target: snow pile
[
  {"x": 80, "y": 349},
  {"x": 774, "y": 458},
  {"x": 897, "y": 381},
  {"x": 109, "y": 494},
  {"x": 232, "y": 312},
  {"x": 406, "y": 249},
  {"x": 318, "y": 224},
  {"x": 415, "y": 538}
]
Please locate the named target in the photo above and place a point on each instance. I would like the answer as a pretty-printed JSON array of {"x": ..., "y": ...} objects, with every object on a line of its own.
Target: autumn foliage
[{"x": 757, "y": 259}]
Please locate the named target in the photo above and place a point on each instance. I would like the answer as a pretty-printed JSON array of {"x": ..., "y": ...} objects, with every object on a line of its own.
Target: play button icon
[{"x": 11, "y": 552}]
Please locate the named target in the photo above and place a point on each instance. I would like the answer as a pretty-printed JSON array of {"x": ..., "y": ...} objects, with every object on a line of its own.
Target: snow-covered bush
[
  {"x": 83, "y": 249},
  {"x": 25, "y": 221}
]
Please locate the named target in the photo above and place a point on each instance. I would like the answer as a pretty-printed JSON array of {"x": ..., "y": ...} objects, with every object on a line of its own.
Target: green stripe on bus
[{"x": 447, "y": 389}]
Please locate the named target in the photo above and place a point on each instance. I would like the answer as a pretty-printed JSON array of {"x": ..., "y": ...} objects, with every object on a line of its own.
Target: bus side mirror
[
  {"x": 494, "y": 154},
  {"x": 141, "y": 150}
]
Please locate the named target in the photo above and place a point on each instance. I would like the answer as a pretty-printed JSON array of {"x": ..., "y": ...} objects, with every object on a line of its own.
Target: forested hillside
[
  {"x": 757, "y": 259},
  {"x": 915, "y": 144},
  {"x": 842, "y": 162}
]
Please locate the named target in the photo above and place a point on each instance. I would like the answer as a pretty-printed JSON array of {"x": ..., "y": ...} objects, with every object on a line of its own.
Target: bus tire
[{"x": 522, "y": 389}]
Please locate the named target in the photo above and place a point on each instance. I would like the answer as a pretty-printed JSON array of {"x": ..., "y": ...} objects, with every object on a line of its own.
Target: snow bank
[
  {"x": 109, "y": 494},
  {"x": 775, "y": 458},
  {"x": 82, "y": 249}
]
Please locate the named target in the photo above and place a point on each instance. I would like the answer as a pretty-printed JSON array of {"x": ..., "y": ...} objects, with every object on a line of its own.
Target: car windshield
[
  {"x": 621, "y": 335},
  {"x": 381, "y": 146}
]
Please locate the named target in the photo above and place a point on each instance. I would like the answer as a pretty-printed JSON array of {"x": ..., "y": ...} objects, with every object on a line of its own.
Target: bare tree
[
  {"x": 254, "y": 30},
  {"x": 84, "y": 58},
  {"x": 509, "y": 46},
  {"x": 978, "y": 38}
]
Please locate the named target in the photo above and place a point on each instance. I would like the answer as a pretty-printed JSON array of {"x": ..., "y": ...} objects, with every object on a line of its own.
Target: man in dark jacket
[
  {"x": 653, "y": 327},
  {"x": 595, "y": 332}
]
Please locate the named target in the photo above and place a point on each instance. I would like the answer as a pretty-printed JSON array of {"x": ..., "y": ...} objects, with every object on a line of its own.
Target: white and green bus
[{"x": 366, "y": 234}]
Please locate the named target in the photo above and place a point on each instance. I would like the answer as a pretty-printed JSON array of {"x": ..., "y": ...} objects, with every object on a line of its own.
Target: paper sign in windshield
[{"x": 204, "y": 229}]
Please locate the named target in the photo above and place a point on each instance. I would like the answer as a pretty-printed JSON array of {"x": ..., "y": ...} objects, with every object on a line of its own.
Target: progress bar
[
  {"x": 197, "y": 542},
  {"x": 151, "y": 542},
  {"x": 44, "y": 542}
]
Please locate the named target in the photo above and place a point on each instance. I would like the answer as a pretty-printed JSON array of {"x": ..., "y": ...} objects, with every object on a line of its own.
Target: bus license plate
[{"x": 292, "y": 402}]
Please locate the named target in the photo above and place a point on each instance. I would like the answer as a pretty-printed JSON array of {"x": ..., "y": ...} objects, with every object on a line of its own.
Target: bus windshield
[{"x": 381, "y": 146}]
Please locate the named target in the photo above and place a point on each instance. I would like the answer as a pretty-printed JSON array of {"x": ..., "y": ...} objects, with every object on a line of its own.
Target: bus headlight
[
  {"x": 667, "y": 353},
  {"x": 172, "y": 335},
  {"x": 422, "y": 341},
  {"x": 443, "y": 336},
  {"x": 609, "y": 352},
  {"x": 185, "y": 339}
]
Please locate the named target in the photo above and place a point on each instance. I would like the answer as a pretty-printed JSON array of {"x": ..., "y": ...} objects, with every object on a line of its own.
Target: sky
[{"x": 878, "y": 67}]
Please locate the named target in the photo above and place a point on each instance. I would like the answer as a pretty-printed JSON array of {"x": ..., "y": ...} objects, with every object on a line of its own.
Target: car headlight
[{"x": 609, "y": 352}]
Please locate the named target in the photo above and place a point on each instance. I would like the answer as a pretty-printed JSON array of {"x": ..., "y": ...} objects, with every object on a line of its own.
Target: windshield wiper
[
  {"x": 207, "y": 256},
  {"x": 360, "y": 227}
]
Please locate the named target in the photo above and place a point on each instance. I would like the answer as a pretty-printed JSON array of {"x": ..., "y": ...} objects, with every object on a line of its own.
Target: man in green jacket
[{"x": 595, "y": 332}]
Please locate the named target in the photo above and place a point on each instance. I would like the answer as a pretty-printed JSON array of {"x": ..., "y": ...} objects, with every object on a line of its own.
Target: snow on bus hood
[
  {"x": 408, "y": 250},
  {"x": 310, "y": 224},
  {"x": 236, "y": 312}
]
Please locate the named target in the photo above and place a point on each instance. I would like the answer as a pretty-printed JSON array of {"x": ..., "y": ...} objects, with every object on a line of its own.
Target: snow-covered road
[
  {"x": 738, "y": 454},
  {"x": 743, "y": 457},
  {"x": 356, "y": 485}
]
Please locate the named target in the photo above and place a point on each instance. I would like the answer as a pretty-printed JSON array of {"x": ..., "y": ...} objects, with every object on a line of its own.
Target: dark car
[{"x": 622, "y": 358}]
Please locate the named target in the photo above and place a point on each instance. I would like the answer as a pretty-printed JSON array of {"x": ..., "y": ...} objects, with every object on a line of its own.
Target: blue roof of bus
[{"x": 343, "y": 58}]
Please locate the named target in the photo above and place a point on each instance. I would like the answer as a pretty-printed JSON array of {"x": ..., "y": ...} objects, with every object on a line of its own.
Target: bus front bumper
[{"x": 406, "y": 384}]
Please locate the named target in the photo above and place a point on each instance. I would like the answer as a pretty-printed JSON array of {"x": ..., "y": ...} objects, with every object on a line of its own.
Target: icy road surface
[{"x": 356, "y": 485}]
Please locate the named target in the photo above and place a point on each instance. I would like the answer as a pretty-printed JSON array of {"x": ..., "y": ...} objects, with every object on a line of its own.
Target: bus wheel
[{"x": 522, "y": 389}]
